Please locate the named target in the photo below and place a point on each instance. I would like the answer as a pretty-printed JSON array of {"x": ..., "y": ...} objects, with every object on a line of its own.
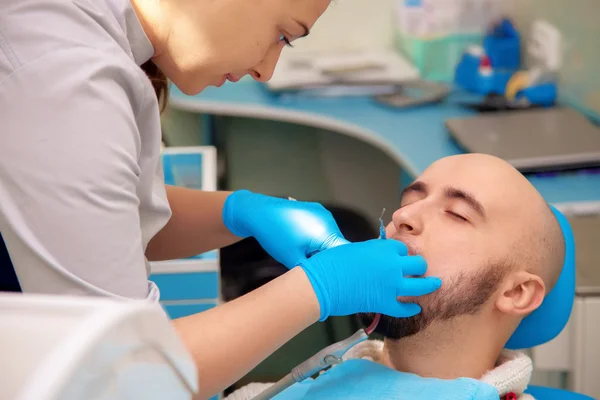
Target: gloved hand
[
  {"x": 368, "y": 277},
  {"x": 288, "y": 230}
]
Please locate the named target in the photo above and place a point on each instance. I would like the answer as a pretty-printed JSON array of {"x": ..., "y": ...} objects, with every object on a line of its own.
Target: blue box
[
  {"x": 468, "y": 76},
  {"x": 191, "y": 167},
  {"x": 187, "y": 286},
  {"x": 184, "y": 309},
  {"x": 502, "y": 45}
]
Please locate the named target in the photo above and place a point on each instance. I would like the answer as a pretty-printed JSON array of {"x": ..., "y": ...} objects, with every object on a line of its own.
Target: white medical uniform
[{"x": 81, "y": 182}]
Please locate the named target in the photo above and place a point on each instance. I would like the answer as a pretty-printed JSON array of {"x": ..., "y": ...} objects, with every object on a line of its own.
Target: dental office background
[{"x": 285, "y": 159}]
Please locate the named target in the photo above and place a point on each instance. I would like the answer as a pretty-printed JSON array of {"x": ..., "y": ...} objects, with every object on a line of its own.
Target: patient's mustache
[{"x": 413, "y": 249}]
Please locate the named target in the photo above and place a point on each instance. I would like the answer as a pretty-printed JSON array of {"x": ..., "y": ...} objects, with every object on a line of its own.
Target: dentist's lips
[{"x": 226, "y": 78}]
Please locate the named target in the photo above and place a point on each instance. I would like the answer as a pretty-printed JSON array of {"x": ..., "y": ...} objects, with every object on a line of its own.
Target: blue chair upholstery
[
  {"x": 544, "y": 393},
  {"x": 545, "y": 323}
]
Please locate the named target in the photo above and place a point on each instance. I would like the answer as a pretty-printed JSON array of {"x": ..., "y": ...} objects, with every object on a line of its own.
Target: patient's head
[{"x": 488, "y": 234}]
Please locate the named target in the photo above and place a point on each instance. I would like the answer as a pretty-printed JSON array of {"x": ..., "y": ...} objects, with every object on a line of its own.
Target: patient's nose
[{"x": 407, "y": 220}]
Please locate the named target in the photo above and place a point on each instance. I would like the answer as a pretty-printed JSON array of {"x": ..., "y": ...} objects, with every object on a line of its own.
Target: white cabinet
[
  {"x": 585, "y": 368},
  {"x": 576, "y": 350}
]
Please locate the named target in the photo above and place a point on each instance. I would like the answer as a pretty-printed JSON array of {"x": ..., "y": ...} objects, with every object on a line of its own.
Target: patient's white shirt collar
[{"x": 512, "y": 373}]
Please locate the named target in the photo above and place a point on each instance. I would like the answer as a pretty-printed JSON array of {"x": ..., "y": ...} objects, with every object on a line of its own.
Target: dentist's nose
[{"x": 263, "y": 72}]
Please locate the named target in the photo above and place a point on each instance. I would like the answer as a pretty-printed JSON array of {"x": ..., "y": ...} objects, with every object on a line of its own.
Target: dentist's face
[
  {"x": 465, "y": 216},
  {"x": 228, "y": 39}
]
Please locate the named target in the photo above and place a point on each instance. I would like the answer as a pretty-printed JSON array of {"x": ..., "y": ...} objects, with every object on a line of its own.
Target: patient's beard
[{"x": 464, "y": 294}]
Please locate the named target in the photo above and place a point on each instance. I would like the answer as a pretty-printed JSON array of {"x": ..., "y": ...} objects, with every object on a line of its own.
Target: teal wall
[
  {"x": 284, "y": 159},
  {"x": 577, "y": 21}
]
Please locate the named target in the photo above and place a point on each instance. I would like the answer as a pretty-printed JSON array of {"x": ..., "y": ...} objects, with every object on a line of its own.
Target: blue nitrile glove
[
  {"x": 288, "y": 230},
  {"x": 368, "y": 277}
]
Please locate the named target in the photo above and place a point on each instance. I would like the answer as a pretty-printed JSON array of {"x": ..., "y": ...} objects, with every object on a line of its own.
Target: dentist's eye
[{"x": 284, "y": 39}]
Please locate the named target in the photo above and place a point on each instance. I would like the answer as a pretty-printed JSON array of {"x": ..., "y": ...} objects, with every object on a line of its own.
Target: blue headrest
[{"x": 545, "y": 323}]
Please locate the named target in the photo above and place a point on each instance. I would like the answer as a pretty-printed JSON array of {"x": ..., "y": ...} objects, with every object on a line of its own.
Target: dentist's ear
[{"x": 521, "y": 294}]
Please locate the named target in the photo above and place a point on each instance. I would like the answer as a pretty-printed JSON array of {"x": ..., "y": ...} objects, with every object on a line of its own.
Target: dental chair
[{"x": 545, "y": 323}]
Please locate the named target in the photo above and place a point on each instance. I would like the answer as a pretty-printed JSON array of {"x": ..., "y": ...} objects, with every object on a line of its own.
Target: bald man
[{"x": 496, "y": 245}]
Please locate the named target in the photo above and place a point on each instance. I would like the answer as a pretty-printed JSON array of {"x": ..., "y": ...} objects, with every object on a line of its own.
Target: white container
[
  {"x": 73, "y": 348},
  {"x": 433, "y": 34}
]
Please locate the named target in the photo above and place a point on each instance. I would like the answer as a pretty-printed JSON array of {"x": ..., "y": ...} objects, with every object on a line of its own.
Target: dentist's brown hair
[{"x": 159, "y": 83}]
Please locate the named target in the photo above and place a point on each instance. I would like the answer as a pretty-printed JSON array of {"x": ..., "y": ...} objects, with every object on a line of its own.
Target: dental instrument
[
  {"x": 382, "y": 226},
  {"x": 329, "y": 356}
]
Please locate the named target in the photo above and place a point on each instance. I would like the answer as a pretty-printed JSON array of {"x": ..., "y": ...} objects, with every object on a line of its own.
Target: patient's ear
[{"x": 520, "y": 294}]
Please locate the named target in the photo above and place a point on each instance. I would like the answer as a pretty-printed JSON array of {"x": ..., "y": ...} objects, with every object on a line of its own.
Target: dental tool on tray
[{"x": 329, "y": 356}]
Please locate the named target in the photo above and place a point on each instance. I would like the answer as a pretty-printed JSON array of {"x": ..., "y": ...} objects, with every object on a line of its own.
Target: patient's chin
[
  {"x": 465, "y": 294},
  {"x": 398, "y": 328}
]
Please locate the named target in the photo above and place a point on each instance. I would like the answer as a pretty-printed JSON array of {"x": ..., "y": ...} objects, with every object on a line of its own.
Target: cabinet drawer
[
  {"x": 187, "y": 286},
  {"x": 185, "y": 309}
]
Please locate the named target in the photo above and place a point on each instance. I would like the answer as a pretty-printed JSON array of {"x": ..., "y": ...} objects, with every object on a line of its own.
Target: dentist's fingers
[
  {"x": 418, "y": 286},
  {"x": 333, "y": 240},
  {"x": 414, "y": 266},
  {"x": 400, "y": 247}
]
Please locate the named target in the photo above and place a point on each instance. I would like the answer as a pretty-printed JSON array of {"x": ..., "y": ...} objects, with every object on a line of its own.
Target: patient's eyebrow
[
  {"x": 415, "y": 187},
  {"x": 454, "y": 193}
]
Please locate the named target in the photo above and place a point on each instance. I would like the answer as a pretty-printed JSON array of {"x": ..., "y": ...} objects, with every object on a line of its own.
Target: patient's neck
[{"x": 446, "y": 350}]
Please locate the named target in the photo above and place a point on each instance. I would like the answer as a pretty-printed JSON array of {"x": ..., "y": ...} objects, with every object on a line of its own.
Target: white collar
[
  {"x": 511, "y": 374},
  {"x": 141, "y": 47}
]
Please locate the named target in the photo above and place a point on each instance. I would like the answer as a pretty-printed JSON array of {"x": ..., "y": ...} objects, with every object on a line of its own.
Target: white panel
[
  {"x": 590, "y": 366},
  {"x": 579, "y": 345},
  {"x": 556, "y": 354},
  {"x": 184, "y": 266}
]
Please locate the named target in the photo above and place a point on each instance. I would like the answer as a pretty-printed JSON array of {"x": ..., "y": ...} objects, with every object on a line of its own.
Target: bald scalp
[{"x": 546, "y": 251}]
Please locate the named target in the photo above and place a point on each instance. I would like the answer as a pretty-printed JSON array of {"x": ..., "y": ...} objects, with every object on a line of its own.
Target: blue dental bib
[{"x": 362, "y": 379}]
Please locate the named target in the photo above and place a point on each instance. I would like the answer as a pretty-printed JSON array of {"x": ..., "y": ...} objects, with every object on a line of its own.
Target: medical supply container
[{"x": 433, "y": 34}]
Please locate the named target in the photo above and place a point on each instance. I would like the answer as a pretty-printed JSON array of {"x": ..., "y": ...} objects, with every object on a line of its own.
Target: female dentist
[{"x": 83, "y": 203}]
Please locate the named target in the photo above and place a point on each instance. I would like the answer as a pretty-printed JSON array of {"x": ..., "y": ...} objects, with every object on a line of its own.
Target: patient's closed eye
[{"x": 457, "y": 216}]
